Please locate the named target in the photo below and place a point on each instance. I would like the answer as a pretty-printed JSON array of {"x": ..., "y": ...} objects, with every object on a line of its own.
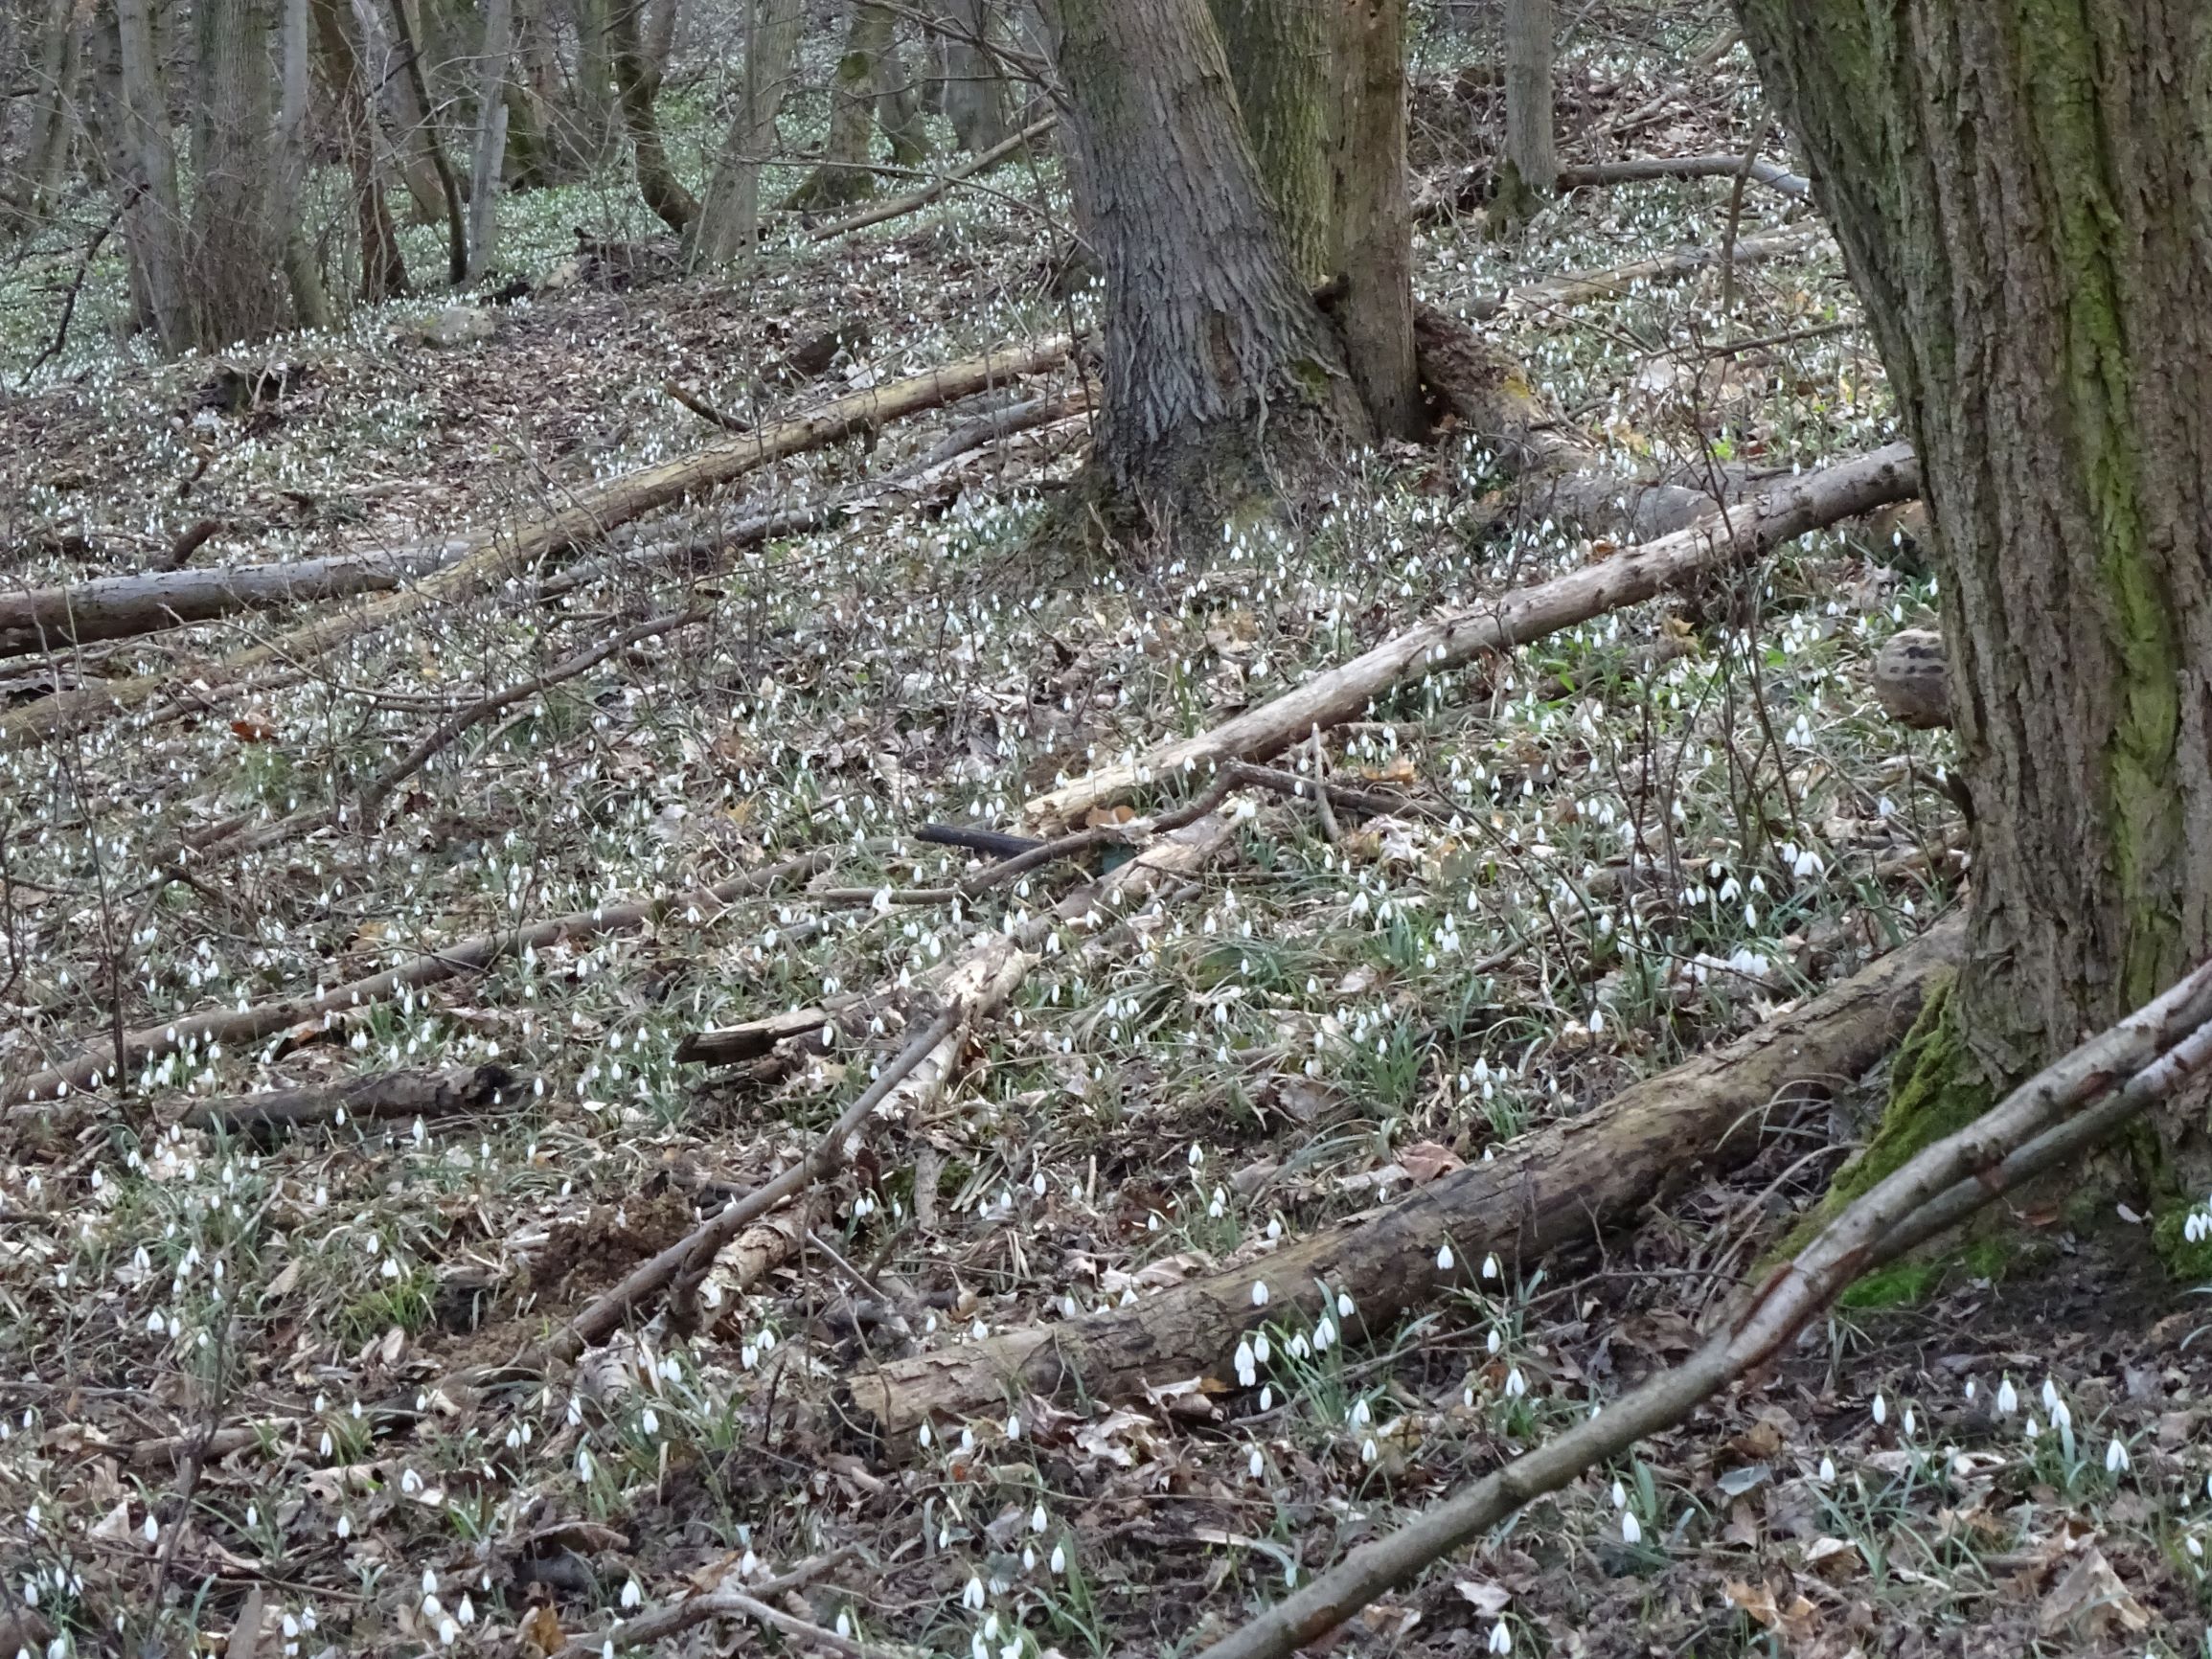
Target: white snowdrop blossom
[
  {"x": 1631, "y": 1529},
  {"x": 2116, "y": 1461}
]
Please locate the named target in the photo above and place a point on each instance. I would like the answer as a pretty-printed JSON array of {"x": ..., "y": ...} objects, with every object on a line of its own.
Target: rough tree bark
[
  {"x": 489, "y": 163},
  {"x": 1373, "y": 215},
  {"x": 1282, "y": 56},
  {"x": 288, "y": 169},
  {"x": 639, "y": 83},
  {"x": 1530, "y": 174},
  {"x": 153, "y": 214},
  {"x": 1211, "y": 330},
  {"x": 46, "y": 137},
  {"x": 974, "y": 91},
  {"x": 729, "y": 219},
  {"x": 233, "y": 261},
  {"x": 2021, "y": 194},
  {"x": 842, "y": 175},
  {"x": 383, "y": 268}
]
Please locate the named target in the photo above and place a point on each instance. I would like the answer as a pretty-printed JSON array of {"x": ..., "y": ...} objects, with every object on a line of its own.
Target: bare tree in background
[
  {"x": 974, "y": 89},
  {"x": 842, "y": 175},
  {"x": 1530, "y": 174},
  {"x": 490, "y": 149},
  {"x": 50, "y": 60},
  {"x": 728, "y": 225},
  {"x": 383, "y": 268},
  {"x": 153, "y": 206},
  {"x": 639, "y": 83},
  {"x": 407, "y": 43}
]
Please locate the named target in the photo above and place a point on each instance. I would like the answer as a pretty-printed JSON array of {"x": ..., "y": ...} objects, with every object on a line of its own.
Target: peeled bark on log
[
  {"x": 1719, "y": 542},
  {"x": 412, "y": 1094},
  {"x": 98, "y": 1060},
  {"x": 1549, "y": 1191},
  {"x": 1912, "y": 679},
  {"x": 1639, "y": 169},
  {"x": 492, "y": 555},
  {"x": 116, "y": 607}
]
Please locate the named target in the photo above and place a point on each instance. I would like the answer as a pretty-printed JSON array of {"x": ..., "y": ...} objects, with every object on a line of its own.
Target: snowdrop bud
[
  {"x": 1500, "y": 1638},
  {"x": 1631, "y": 1529},
  {"x": 1490, "y": 1268},
  {"x": 2115, "y": 1458},
  {"x": 1257, "y": 1464},
  {"x": 1827, "y": 1470},
  {"x": 2008, "y": 1400},
  {"x": 1880, "y": 1411},
  {"x": 1444, "y": 1260},
  {"x": 1037, "y": 1519},
  {"x": 1258, "y": 1293},
  {"x": 1058, "y": 1561}
]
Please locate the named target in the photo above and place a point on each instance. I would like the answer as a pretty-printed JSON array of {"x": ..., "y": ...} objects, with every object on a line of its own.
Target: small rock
[{"x": 458, "y": 325}]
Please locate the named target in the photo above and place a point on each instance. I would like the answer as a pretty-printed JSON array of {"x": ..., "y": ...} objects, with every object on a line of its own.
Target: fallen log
[
  {"x": 98, "y": 1061},
  {"x": 1550, "y": 1191},
  {"x": 496, "y": 553},
  {"x": 387, "y": 1095},
  {"x": 1720, "y": 542},
  {"x": 895, "y": 207},
  {"x": 1558, "y": 293},
  {"x": 113, "y": 607},
  {"x": 1640, "y": 168},
  {"x": 2045, "y": 1125}
]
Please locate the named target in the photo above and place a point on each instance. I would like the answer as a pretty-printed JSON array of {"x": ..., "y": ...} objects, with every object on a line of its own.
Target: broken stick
[
  {"x": 411, "y": 1094},
  {"x": 1719, "y": 541}
]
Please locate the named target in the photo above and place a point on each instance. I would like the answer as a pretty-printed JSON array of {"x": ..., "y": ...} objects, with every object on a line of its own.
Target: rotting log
[
  {"x": 113, "y": 607},
  {"x": 496, "y": 553},
  {"x": 1718, "y": 542},
  {"x": 386, "y": 1094},
  {"x": 1550, "y": 1191},
  {"x": 1639, "y": 169}
]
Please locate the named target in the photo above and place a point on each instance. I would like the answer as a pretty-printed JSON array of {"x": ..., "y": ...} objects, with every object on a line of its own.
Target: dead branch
[
  {"x": 1558, "y": 293},
  {"x": 1643, "y": 168},
  {"x": 1719, "y": 542},
  {"x": 113, "y": 607},
  {"x": 1549, "y": 1191},
  {"x": 697, "y": 1610},
  {"x": 899, "y": 205},
  {"x": 98, "y": 1061},
  {"x": 2037, "y": 1127},
  {"x": 409, "y": 1094},
  {"x": 606, "y": 1315},
  {"x": 495, "y": 554},
  {"x": 705, "y": 410}
]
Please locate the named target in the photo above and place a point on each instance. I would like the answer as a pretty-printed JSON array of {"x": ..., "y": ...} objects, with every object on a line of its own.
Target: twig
[
  {"x": 1322, "y": 809},
  {"x": 696, "y": 1610},
  {"x": 605, "y": 1316},
  {"x": 705, "y": 410},
  {"x": 1735, "y": 216},
  {"x": 2035, "y": 1128},
  {"x": 936, "y": 187}
]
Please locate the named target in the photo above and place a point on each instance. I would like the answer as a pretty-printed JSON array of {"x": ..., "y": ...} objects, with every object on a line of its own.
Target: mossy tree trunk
[
  {"x": 841, "y": 175},
  {"x": 2023, "y": 194},
  {"x": 1530, "y": 172},
  {"x": 1282, "y": 59},
  {"x": 974, "y": 90},
  {"x": 638, "y": 80},
  {"x": 1372, "y": 216},
  {"x": 1212, "y": 332}
]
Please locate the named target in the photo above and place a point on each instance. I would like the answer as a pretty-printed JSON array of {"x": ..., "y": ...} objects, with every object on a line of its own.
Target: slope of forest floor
[{"x": 1296, "y": 1033}]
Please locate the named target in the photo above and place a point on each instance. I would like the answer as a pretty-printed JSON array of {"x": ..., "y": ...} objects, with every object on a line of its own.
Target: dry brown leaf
[
  {"x": 2090, "y": 1600},
  {"x": 541, "y": 1629},
  {"x": 1425, "y": 1160},
  {"x": 1835, "y": 1560}
]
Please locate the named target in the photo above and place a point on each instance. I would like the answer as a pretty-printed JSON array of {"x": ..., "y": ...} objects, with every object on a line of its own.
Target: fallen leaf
[
  {"x": 1425, "y": 1160},
  {"x": 2090, "y": 1600},
  {"x": 1835, "y": 1560},
  {"x": 254, "y": 731},
  {"x": 541, "y": 1629},
  {"x": 1755, "y": 1600},
  {"x": 1484, "y": 1598}
]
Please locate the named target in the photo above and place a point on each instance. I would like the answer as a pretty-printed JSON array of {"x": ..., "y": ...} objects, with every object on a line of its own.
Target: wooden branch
[
  {"x": 494, "y": 554},
  {"x": 408, "y": 1093},
  {"x": 98, "y": 1061},
  {"x": 674, "y": 1620},
  {"x": 705, "y": 410},
  {"x": 1550, "y": 1191},
  {"x": 1719, "y": 542},
  {"x": 1561, "y": 292},
  {"x": 112, "y": 608},
  {"x": 2037, "y": 1127},
  {"x": 1912, "y": 679},
  {"x": 734, "y": 1045},
  {"x": 607, "y": 1314},
  {"x": 897, "y": 205},
  {"x": 1656, "y": 166}
]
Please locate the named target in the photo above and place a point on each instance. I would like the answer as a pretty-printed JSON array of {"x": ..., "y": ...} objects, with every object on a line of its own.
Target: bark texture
[
  {"x": 1556, "y": 1189},
  {"x": 153, "y": 213},
  {"x": 427, "y": 144},
  {"x": 974, "y": 91},
  {"x": 1373, "y": 252},
  {"x": 1282, "y": 56},
  {"x": 842, "y": 174},
  {"x": 383, "y": 267},
  {"x": 639, "y": 83},
  {"x": 1531, "y": 170},
  {"x": 729, "y": 221},
  {"x": 488, "y": 164},
  {"x": 2023, "y": 194},
  {"x": 1208, "y": 321}
]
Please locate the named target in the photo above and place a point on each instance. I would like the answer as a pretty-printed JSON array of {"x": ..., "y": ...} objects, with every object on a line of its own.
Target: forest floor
[{"x": 1293, "y": 1036}]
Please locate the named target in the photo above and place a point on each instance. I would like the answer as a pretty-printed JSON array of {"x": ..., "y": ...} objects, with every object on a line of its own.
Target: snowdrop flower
[
  {"x": 1443, "y": 1258},
  {"x": 1247, "y": 1366},
  {"x": 1058, "y": 1561},
  {"x": 1631, "y": 1530},
  {"x": 1258, "y": 1293},
  {"x": 1489, "y": 1267},
  {"x": 1827, "y": 1470},
  {"x": 2008, "y": 1400},
  {"x": 1038, "y": 1520},
  {"x": 1880, "y": 1411},
  {"x": 1516, "y": 1384},
  {"x": 1620, "y": 1496},
  {"x": 1257, "y": 1464},
  {"x": 972, "y": 1597},
  {"x": 2116, "y": 1458},
  {"x": 631, "y": 1594},
  {"x": 1500, "y": 1638}
]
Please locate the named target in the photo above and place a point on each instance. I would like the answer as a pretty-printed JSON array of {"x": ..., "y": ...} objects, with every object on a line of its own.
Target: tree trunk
[
  {"x": 398, "y": 122},
  {"x": 639, "y": 83},
  {"x": 1530, "y": 176},
  {"x": 153, "y": 214},
  {"x": 729, "y": 221},
  {"x": 383, "y": 269},
  {"x": 433, "y": 148},
  {"x": 288, "y": 171},
  {"x": 597, "y": 108},
  {"x": 1282, "y": 58},
  {"x": 974, "y": 91},
  {"x": 842, "y": 175},
  {"x": 2022, "y": 195},
  {"x": 1373, "y": 251},
  {"x": 488, "y": 164},
  {"x": 898, "y": 104},
  {"x": 46, "y": 139},
  {"x": 1208, "y": 321}
]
